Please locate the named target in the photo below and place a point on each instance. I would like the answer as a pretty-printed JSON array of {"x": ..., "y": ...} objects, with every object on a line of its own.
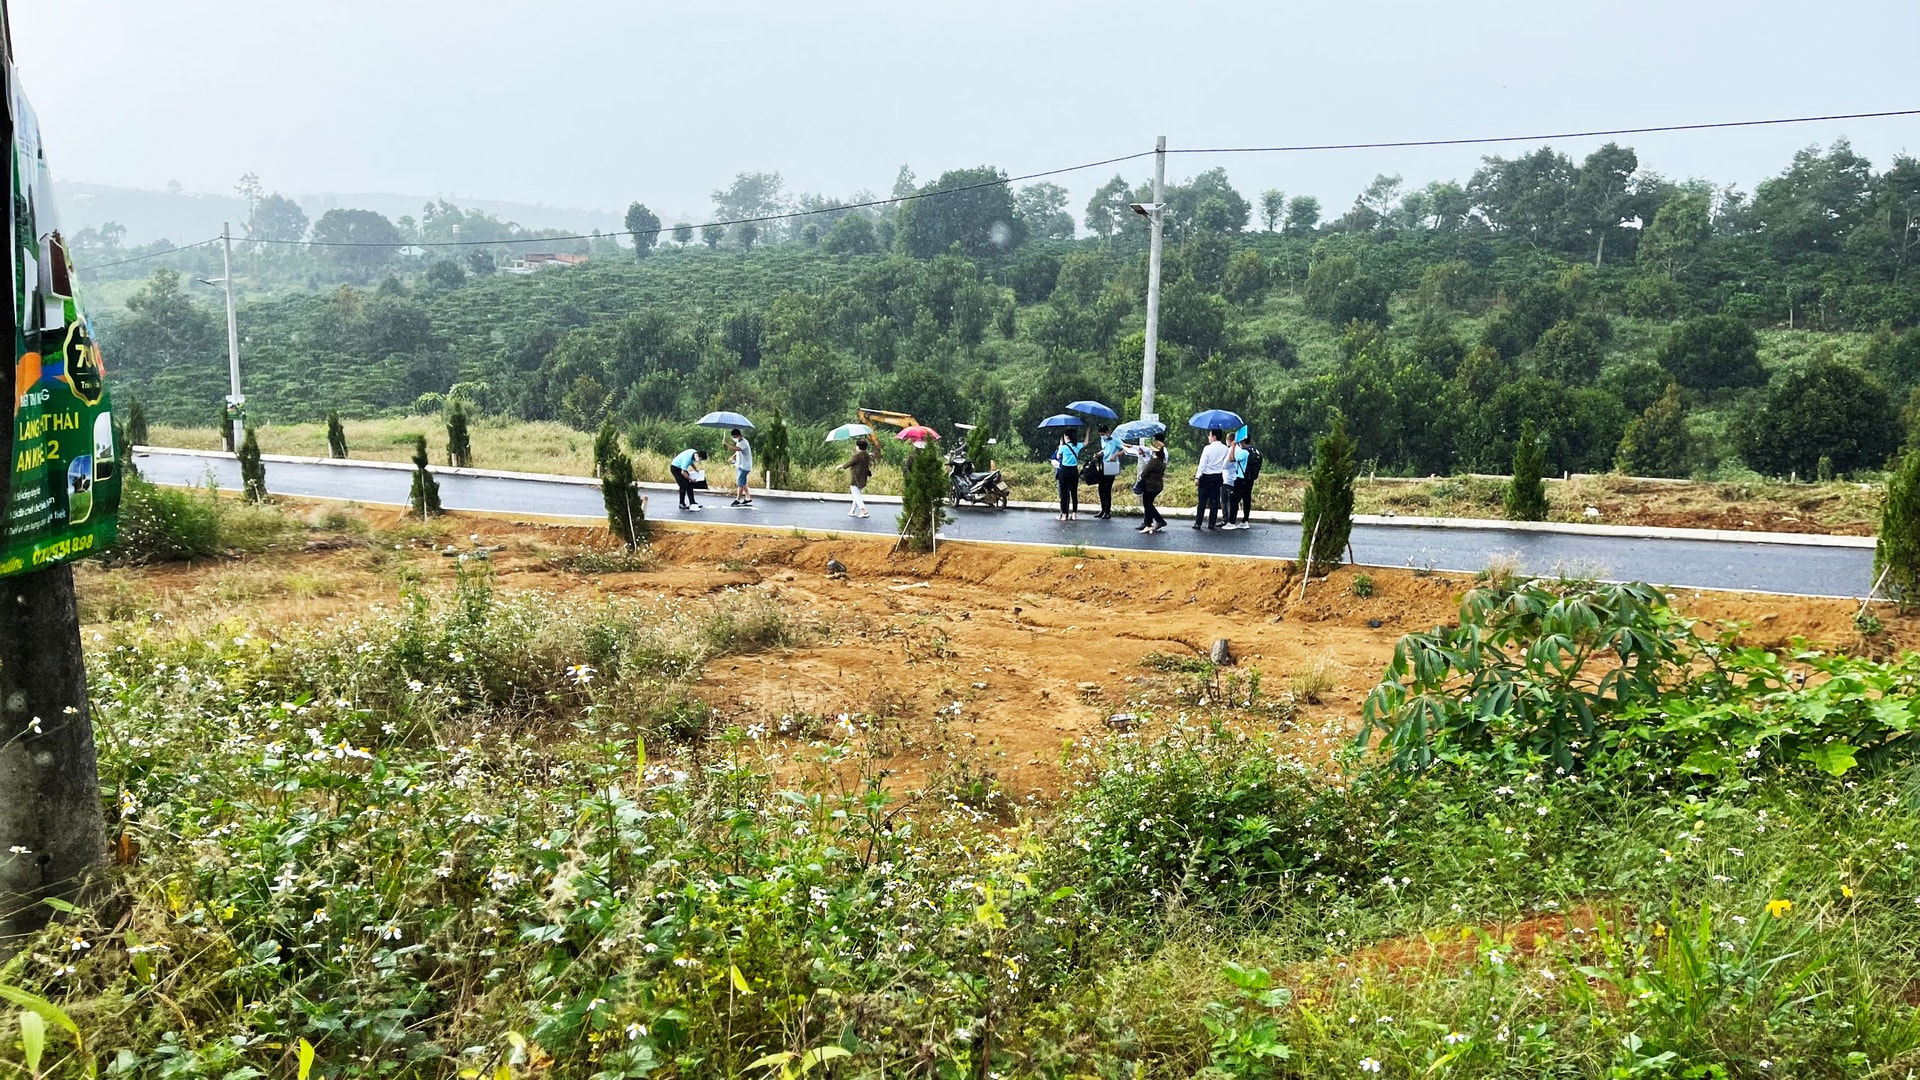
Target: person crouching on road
[
  {"x": 859, "y": 471},
  {"x": 1066, "y": 475},
  {"x": 1209, "y": 476},
  {"x": 742, "y": 468},
  {"x": 1150, "y": 483},
  {"x": 683, "y": 466}
]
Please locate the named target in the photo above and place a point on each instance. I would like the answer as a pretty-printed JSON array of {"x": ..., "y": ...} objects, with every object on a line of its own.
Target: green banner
[{"x": 61, "y": 491}]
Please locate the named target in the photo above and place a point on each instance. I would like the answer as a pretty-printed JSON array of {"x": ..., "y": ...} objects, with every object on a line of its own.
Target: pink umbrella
[{"x": 918, "y": 433}]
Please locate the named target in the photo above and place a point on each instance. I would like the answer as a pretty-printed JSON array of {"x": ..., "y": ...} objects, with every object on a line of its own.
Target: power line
[
  {"x": 1541, "y": 138},
  {"x": 148, "y": 255},
  {"x": 788, "y": 216},
  {"x": 913, "y": 196}
]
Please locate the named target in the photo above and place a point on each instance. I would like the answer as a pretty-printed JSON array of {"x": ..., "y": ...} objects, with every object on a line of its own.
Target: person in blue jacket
[
  {"x": 682, "y": 467},
  {"x": 1066, "y": 474}
]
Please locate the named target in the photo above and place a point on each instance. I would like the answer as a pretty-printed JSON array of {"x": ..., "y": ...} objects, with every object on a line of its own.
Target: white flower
[
  {"x": 1368, "y": 1065},
  {"x": 1455, "y": 1038},
  {"x": 33, "y": 725}
]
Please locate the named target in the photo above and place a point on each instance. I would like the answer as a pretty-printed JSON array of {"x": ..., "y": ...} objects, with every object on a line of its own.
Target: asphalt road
[{"x": 1796, "y": 569}]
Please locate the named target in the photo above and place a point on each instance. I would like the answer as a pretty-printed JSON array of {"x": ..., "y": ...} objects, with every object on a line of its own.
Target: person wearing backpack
[
  {"x": 1247, "y": 462},
  {"x": 1066, "y": 475},
  {"x": 1108, "y": 464},
  {"x": 1151, "y": 481}
]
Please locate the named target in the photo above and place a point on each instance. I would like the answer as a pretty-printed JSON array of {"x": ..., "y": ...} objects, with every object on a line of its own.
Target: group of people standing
[
  {"x": 1229, "y": 465},
  {"x": 689, "y": 477}
]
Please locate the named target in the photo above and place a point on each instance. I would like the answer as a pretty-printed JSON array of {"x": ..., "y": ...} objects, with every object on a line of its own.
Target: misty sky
[{"x": 594, "y": 103}]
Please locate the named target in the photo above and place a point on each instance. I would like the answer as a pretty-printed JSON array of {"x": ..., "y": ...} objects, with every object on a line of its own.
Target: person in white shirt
[
  {"x": 1212, "y": 473},
  {"x": 742, "y": 468}
]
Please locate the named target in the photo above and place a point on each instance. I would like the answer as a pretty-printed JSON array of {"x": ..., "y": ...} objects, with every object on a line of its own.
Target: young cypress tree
[
  {"x": 336, "y": 435},
  {"x": 1526, "y": 497},
  {"x": 1326, "y": 519},
  {"x": 923, "y": 498},
  {"x": 979, "y": 453},
  {"x": 226, "y": 427},
  {"x": 1898, "y": 553},
  {"x": 626, "y": 514},
  {"x": 424, "y": 496},
  {"x": 136, "y": 421},
  {"x": 776, "y": 452},
  {"x": 459, "y": 445},
  {"x": 605, "y": 445},
  {"x": 253, "y": 475}
]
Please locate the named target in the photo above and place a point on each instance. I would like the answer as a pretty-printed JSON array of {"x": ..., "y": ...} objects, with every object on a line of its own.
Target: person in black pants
[
  {"x": 680, "y": 466},
  {"x": 1246, "y": 462},
  {"x": 1153, "y": 480},
  {"x": 1109, "y": 465},
  {"x": 1066, "y": 473},
  {"x": 1214, "y": 462}
]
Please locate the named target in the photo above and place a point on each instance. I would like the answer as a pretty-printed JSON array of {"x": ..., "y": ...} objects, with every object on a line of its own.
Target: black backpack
[{"x": 1253, "y": 465}]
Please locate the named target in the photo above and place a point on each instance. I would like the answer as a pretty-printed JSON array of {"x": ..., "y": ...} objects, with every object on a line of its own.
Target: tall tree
[
  {"x": 1678, "y": 233},
  {"x": 1108, "y": 208},
  {"x": 643, "y": 227},
  {"x": 1528, "y": 196},
  {"x": 1303, "y": 214},
  {"x": 1042, "y": 208},
  {"x": 1812, "y": 206},
  {"x": 711, "y": 235},
  {"x": 751, "y": 195},
  {"x": 1273, "y": 208},
  {"x": 1603, "y": 195},
  {"x": 361, "y": 242},
  {"x": 1825, "y": 409},
  {"x": 683, "y": 234},
  {"x": 978, "y": 215},
  {"x": 276, "y": 217}
]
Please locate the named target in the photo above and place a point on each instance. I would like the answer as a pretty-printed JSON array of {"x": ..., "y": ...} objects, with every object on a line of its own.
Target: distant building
[{"x": 540, "y": 260}]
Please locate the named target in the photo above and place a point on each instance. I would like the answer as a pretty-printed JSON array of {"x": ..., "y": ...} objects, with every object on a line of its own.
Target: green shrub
[
  {"x": 1326, "y": 519},
  {"x": 166, "y": 524},
  {"x": 424, "y": 493},
  {"x": 1526, "y": 496},
  {"x": 253, "y": 474}
]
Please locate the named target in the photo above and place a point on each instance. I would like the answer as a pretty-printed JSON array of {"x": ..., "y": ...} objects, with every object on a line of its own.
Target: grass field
[{"x": 708, "y": 810}]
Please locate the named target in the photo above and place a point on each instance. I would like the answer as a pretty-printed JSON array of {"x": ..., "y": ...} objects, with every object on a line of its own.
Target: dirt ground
[{"x": 1037, "y": 649}]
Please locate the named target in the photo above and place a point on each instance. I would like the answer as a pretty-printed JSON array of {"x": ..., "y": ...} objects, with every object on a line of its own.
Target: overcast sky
[{"x": 594, "y": 103}]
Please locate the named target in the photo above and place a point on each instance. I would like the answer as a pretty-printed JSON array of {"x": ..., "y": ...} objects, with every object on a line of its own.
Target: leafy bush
[
  {"x": 1202, "y": 816},
  {"x": 1608, "y": 677},
  {"x": 167, "y": 524}
]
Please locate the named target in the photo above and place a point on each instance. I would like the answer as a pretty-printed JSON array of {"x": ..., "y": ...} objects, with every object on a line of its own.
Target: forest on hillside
[{"x": 1665, "y": 328}]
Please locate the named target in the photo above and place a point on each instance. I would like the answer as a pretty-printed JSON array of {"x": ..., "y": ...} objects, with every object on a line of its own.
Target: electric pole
[
  {"x": 1156, "y": 212},
  {"x": 52, "y": 829},
  {"x": 235, "y": 398}
]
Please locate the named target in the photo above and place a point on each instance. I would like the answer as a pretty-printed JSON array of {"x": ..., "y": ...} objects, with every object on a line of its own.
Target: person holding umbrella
[
  {"x": 859, "y": 471},
  {"x": 742, "y": 468},
  {"x": 683, "y": 466}
]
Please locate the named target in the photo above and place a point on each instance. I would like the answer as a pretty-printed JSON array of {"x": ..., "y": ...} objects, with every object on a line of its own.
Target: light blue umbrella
[
  {"x": 1062, "y": 421},
  {"x": 1092, "y": 408},
  {"x": 1134, "y": 430},
  {"x": 848, "y": 431},
  {"x": 1215, "y": 420},
  {"x": 725, "y": 421}
]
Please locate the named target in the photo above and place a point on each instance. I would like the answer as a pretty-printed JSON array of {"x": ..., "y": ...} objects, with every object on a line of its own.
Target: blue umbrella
[
  {"x": 1139, "y": 429},
  {"x": 1062, "y": 421},
  {"x": 1215, "y": 420},
  {"x": 725, "y": 421},
  {"x": 1092, "y": 408}
]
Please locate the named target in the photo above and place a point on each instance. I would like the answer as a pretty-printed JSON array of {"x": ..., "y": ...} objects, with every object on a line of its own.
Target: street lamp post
[
  {"x": 1155, "y": 212},
  {"x": 235, "y": 399}
]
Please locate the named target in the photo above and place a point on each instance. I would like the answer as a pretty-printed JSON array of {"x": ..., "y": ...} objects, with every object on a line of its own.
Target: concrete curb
[{"x": 1640, "y": 532}]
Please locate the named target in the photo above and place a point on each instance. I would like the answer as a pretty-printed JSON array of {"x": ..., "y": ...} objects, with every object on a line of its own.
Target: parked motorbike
[{"x": 982, "y": 489}]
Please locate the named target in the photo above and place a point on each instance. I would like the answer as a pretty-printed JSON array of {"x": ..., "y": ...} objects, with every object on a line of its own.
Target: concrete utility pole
[
  {"x": 1155, "y": 213},
  {"x": 52, "y": 832},
  {"x": 235, "y": 398}
]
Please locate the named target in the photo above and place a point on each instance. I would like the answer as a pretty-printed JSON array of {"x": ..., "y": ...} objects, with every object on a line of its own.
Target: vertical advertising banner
[{"x": 61, "y": 489}]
